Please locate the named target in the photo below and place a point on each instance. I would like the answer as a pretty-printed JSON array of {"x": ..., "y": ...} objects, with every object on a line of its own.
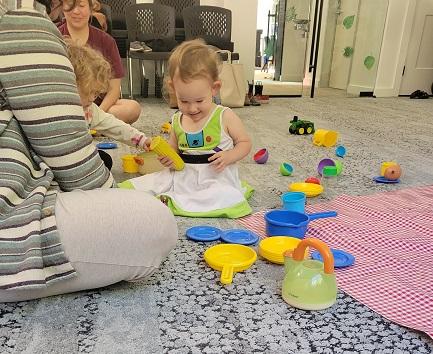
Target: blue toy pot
[{"x": 281, "y": 222}]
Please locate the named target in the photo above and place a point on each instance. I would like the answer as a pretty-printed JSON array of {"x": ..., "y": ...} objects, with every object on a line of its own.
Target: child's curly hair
[{"x": 92, "y": 71}]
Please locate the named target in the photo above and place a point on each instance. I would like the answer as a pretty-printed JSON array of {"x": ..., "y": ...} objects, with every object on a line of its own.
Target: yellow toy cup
[
  {"x": 385, "y": 165},
  {"x": 163, "y": 148},
  {"x": 323, "y": 137},
  {"x": 129, "y": 164}
]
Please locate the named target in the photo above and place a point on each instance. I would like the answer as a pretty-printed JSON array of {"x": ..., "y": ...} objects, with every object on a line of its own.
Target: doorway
[{"x": 282, "y": 35}]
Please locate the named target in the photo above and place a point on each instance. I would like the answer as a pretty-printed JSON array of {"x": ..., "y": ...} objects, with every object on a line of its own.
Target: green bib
[{"x": 205, "y": 140}]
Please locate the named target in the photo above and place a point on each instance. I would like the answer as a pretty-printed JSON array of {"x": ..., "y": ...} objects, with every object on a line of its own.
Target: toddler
[
  {"x": 210, "y": 139},
  {"x": 93, "y": 74}
]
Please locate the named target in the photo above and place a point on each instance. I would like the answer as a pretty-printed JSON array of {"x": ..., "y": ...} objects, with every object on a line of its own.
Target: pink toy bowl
[
  {"x": 261, "y": 156},
  {"x": 323, "y": 163}
]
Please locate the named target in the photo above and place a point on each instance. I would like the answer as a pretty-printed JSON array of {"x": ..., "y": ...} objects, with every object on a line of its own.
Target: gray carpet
[{"x": 184, "y": 309}]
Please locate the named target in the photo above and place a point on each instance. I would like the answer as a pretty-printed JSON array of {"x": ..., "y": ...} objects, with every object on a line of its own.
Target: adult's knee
[
  {"x": 126, "y": 110},
  {"x": 132, "y": 111},
  {"x": 159, "y": 230}
]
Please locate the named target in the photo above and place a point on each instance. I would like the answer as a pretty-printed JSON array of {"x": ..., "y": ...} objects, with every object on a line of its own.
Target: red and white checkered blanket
[{"x": 391, "y": 236}]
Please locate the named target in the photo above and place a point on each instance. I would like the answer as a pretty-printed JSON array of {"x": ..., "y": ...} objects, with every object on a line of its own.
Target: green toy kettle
[{"x": 309, "y": 284}]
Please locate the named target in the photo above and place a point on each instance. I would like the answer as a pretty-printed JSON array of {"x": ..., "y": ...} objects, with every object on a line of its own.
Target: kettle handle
[{"x": 328, "y": 258}]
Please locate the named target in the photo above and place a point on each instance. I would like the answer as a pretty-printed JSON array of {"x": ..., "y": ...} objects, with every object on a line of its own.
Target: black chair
[
  {"x": 179, "y": 6},
  {"x": 106, "y": 10},
  {"x": 152, "y": 24},
  {"x": 118, "y": 22},
  {"x": 211, "y": 23}
]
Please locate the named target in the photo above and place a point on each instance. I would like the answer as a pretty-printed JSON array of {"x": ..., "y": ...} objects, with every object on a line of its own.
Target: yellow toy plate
[
  {"x": 310, "y": 189},
  {"x": 229, "y": 258},
  {"x": 272, "y": 248}
]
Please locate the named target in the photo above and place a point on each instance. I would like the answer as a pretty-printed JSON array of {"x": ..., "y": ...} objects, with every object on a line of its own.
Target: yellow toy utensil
[
  {"x": 229, "y": 258},
  {"x": 163, "y": 148}
]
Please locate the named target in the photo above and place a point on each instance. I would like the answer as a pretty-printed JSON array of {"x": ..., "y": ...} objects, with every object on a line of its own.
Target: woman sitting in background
[{"x": 77, "y": 14}]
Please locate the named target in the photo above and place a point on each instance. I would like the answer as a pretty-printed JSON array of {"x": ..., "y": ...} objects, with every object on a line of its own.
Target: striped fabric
[{"x": 44, "y": 147}]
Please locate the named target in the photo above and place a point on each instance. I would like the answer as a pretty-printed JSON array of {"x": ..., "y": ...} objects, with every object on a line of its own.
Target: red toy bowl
[
  {"x": 312, "y": 180},
  {"x": 261, "y": 156}
]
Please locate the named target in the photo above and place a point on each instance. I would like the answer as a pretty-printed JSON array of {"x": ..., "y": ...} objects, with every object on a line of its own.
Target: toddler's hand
[
  {"x": 166, "y": 161},
  {"x": 220, "y": 160},
  {"x": 142, "y": 142}
]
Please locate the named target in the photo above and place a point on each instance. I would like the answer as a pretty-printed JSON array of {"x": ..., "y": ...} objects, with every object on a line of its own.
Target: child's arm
[
  {"x": 114, "y": 128},
  {"x": 241, "y": 141}
]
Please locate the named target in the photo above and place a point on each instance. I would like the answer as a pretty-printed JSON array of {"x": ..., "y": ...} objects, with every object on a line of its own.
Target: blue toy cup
[{"x": 294, "y": 201}]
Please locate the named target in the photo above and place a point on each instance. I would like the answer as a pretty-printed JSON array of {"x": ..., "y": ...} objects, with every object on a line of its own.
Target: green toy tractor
[{"x": 301, "y": 127}]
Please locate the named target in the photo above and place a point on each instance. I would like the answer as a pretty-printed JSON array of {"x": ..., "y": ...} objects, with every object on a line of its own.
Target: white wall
[
  {"x": 294, "y": 46},
  {"x": 398, "y": 26}
]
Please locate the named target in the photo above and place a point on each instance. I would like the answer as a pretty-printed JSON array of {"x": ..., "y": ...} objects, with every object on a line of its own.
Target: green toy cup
[{"x": 329, "y": 171}]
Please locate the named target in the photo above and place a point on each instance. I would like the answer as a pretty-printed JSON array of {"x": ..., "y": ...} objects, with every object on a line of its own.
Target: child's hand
[
  {"x": 220, "y": 160},
  {"x": 142, "y": 142},
  {"x": 166, "y": 161}
]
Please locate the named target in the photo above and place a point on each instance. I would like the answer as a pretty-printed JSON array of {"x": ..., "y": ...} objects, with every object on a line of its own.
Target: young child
[
  {"x": 93, "y": 74},
  {"x": 210, "y": 138}
]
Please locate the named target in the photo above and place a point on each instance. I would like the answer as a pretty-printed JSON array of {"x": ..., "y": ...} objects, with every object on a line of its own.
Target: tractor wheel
[
  {"x": 301, "y": 131},
  {"x": 309, "y": 130}
]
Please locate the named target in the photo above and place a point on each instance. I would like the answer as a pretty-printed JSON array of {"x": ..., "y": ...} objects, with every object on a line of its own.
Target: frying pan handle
[
  {"x": 227, "y": 274},
  {"x": 325, "y": 214},
  {"x": 322, "y": 247}
]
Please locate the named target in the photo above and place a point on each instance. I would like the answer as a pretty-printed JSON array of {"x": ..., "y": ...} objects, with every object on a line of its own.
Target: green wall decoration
[
  {"x": 348, "y": 52},
  {"x": 369, "y": 62},
  {"x": 348, "y": 21}
]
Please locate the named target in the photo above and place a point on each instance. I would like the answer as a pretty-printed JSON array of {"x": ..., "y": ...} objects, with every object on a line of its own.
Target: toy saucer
[
  {"x": 272, "y": 248},
  {"x": 239, "y": 236},
  {"x": 381, "y": 179},
  {"x": 203, "y": 233},
  {"x": 105, "y": 146},
  {"x": 341, "y": 258},
  {"x": 310, "y": 189}
]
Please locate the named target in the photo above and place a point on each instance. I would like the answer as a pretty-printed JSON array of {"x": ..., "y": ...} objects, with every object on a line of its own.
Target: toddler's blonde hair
[
  {"x": 92, "y": 71},
  {"x": 193, "y": 59}
]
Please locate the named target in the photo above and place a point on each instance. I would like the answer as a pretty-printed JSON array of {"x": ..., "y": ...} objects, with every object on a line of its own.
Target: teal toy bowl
[{"x": 286, "y": 169}]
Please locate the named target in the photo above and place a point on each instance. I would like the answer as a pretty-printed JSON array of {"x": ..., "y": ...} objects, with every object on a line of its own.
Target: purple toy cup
[
  {"x": 261, "y": 156},
  {"x": 323, "y": 163}
]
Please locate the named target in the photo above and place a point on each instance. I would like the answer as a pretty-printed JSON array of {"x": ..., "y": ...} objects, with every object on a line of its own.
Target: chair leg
[
  {"x": 129, "y": 69},
  {"x": 144, "y": 81}
]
